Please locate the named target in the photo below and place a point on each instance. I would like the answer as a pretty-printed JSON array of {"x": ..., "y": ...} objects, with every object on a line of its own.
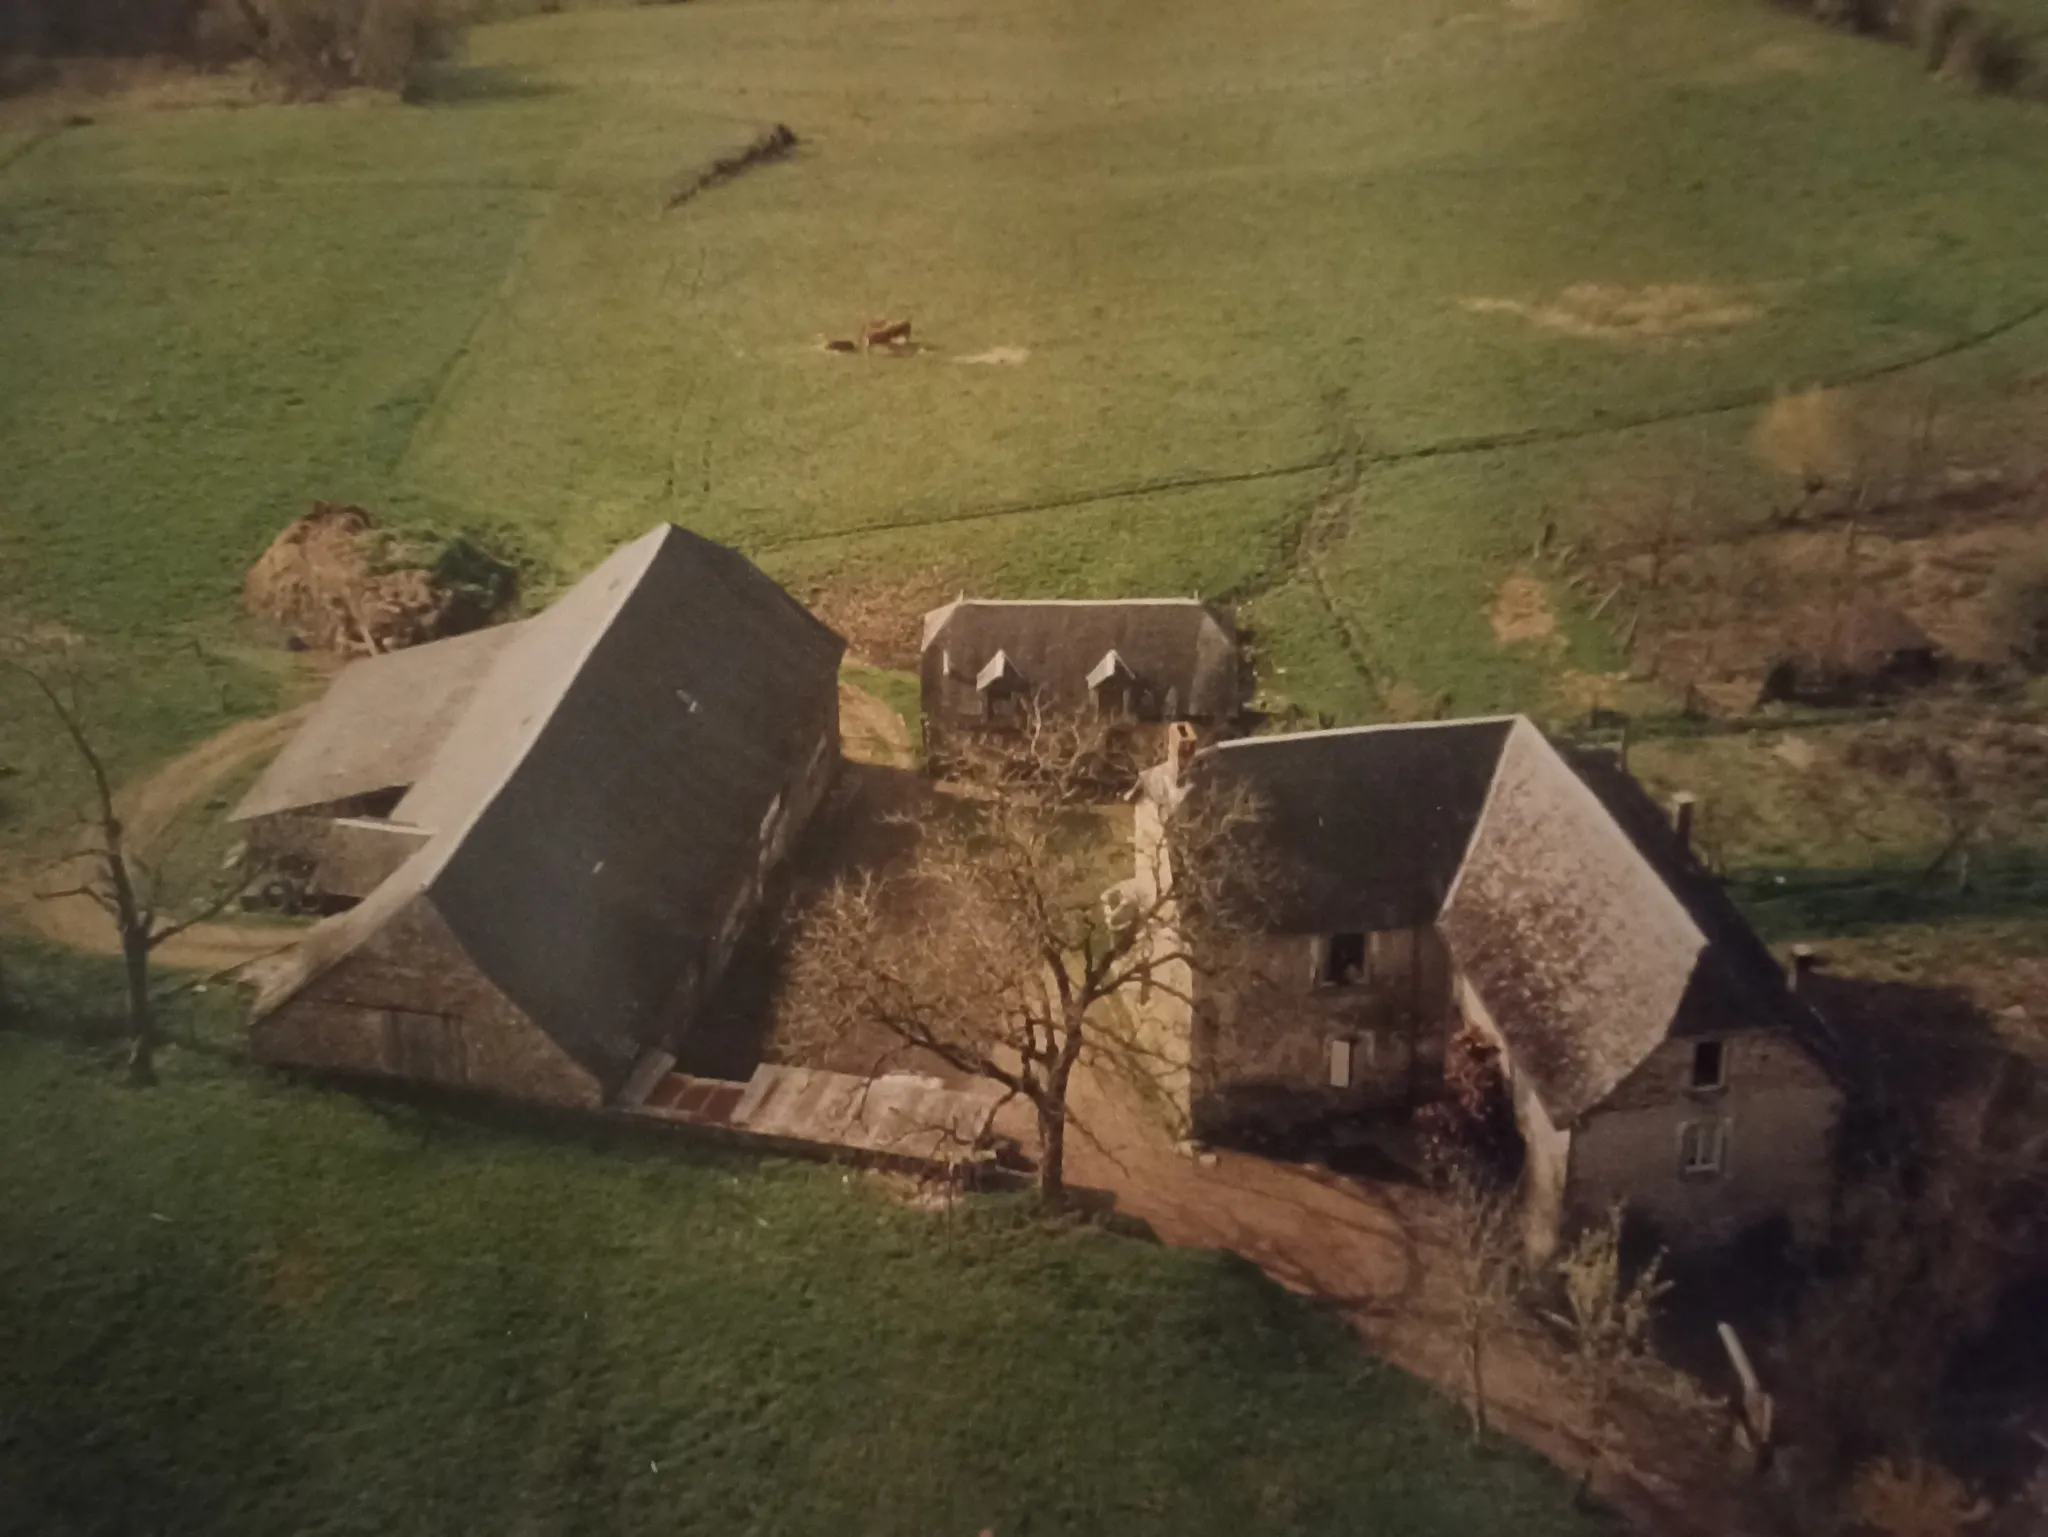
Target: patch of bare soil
[
  {"x": 871, "y": 732},
  {"x": 333, "y": 583},
  {"x": 998, "y": 357},
  {"x": 882, "y": 619},
  {"x": 1661, "y": 312},
  {"x": 1521, "y": 614},
  {"x": 148, "y": 807}
]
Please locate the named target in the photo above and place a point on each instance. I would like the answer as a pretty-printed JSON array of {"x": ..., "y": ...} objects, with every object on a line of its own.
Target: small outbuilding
[
  {"x": 557, "y": 829},
  {"x": 983, "y": 662}
]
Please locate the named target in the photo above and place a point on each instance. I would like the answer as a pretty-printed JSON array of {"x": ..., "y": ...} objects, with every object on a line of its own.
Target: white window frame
[
  {"x": 1703, "y": 1147},
  {"x": 1340, "y": 1057}
]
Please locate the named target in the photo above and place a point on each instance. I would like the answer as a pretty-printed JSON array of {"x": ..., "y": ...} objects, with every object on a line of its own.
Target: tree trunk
[
  {"x": 1052, "y": 1155},
  {"x": 141, "y": 1012},
  {"x": 1475, "y": 1366}
]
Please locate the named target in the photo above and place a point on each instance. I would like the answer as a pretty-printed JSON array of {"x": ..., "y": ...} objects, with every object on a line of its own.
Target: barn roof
[
  {"x": 596, "y": 809},
  {"x": 1054, "y": 644},
  {"x": 378, "y": 726},
  {"x": 1588, "y": 931}
]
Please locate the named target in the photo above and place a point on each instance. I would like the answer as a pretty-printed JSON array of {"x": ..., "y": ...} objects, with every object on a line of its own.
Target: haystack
[{"x": 321, "y": 582}]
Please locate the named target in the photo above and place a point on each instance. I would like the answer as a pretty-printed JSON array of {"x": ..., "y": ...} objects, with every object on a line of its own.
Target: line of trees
[{"x": 313, "y": 45}]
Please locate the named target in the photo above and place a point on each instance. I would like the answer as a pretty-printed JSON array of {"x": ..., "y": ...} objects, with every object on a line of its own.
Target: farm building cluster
[{"x": 538, "y": 846}]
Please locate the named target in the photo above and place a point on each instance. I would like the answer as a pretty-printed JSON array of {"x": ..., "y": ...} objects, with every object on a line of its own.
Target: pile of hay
[{"x": 330, "y": 582}]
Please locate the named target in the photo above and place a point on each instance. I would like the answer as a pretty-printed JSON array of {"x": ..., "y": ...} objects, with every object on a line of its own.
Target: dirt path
[
  {"x": 871, "y": 732},
  {"x": 1374, "y": 1251},
  {"x": 148, "y": 807}
]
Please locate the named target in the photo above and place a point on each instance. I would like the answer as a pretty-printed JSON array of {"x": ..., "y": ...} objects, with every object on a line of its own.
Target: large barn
[
  {"x": 557, "y": 829},
  {"x": 1471, "y": 875}
]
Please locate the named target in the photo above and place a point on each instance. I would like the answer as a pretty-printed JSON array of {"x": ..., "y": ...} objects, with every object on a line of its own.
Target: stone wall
[
  {"x": 1265, "y": 1028},
  {"x": 1780, "y": 1112},
  {"x": 408, "y": 1004},
  {"x": 357, "y": 853}
]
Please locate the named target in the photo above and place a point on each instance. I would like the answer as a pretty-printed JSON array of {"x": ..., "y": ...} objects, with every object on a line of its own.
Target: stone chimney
[
  {"x": 1682, "y": 807},
  {"x": 1800, "y": 976},
  {"x": 1180, "y": 748}
]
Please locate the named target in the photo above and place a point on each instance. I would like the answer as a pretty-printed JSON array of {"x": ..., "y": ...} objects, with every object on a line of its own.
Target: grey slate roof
[
  {"x": 1167, "y": 643},
  {"x": 1369, "y": 823},
  {"x": 598, "y": 804},
  {"x": 378, "y": 726},
  {"x": 1589, "y": 933}
]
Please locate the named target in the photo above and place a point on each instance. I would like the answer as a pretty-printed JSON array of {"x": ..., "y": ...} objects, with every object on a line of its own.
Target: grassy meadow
[
  {"x": 1323, "y": 308},
  {"x": 230, "y": 1305}
]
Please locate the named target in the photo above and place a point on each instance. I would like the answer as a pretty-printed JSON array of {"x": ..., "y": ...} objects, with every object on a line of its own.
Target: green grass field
[
  {"x": 1321, "y": 307},
  {"x": 1234, "y": 245},
  {"x": 228, "y": 1305}
]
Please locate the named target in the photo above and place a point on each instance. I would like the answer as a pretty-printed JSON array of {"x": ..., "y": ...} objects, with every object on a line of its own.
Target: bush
[
  {"x": 1987, "y": 53},
  {"x": 1869, "y": 16},
  {"x": 318, "y": 46},
  {"x": 2018, "y": 606}
]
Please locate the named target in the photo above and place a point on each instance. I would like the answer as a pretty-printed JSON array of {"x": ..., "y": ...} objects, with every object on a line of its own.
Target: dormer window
[
  {"x": 1112, "y": 686},
  {"x": 1000, "y": 686}
]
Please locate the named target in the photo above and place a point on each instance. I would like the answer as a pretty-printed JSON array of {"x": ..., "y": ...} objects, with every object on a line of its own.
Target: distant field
[
  {"x": 1324, "y": 308},
  {"x": 230, "y": 1307}
]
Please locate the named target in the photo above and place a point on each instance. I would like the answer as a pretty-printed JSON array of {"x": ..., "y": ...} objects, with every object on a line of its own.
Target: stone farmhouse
[
  {"x": 552, "y": 833},
  {"x": 1471, "y": 875},
  {"x": 982, "y": 662}
]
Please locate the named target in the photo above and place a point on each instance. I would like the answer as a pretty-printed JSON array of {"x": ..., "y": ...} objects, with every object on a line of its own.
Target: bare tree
[
  {"x": 1932, "y": 1240},
  {"x": 1605, "y": 1322},
  {"x": 996, "y": 952},
  {"x": 1486, "y": 1262},
  {"x": 135, "y": 893}
]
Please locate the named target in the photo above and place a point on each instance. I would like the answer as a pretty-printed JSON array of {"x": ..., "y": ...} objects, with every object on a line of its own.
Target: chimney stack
[
  {"x": 1682, "y": 805},
  {"x": 1803, "y": 961}
]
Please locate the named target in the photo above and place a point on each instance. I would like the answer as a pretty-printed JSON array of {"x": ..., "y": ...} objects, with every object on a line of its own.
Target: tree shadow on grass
[
  {"x": 469, "y": 85},
  {"x": 1810, "y": 904},
  {"x": 135, "y": 1392},
  {"x": 59, "y": 996}
]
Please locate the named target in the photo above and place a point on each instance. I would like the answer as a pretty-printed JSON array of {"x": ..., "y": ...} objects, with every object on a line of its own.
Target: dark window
[
  {"x": 1710, "y": 1065},
  {"x": 1343, "y": 961}
]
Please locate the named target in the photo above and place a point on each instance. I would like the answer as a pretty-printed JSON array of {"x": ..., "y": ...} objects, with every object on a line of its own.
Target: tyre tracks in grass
[
  {"x": 1329, "y": 519},
  {"x": 1457, "y": 446}
]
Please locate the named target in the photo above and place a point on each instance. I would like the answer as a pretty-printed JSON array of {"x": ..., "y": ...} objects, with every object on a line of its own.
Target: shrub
[
  {"x": 1934, "y": 27},
  {"x": 2018, "y": 605},
  {"x": 323, "y": 45},
  {"x": 1989, "y": 54},
  {"x": 1870, "y": 16}
]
